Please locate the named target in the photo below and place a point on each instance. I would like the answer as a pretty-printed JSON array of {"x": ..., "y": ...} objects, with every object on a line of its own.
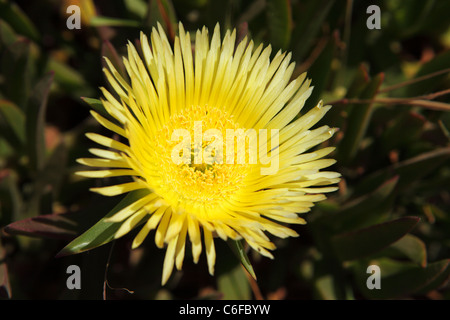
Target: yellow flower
[{"x": 214, "y": 136}]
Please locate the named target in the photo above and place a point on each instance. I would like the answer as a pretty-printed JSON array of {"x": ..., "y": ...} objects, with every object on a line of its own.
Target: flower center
[{"x": 196, "y": 161}]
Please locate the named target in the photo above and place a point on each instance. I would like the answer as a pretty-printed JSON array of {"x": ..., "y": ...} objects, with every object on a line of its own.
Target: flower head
[{"x": 213, "y": 136}]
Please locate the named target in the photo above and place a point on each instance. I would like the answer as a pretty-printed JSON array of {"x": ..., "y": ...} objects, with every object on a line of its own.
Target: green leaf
[
  {"x": 96, "y": 104},
  {"x": 100, "y": 21},
  {"x": 12, "y": 124},
  {"x": 419, "y": 166},
  {"x": 363, "y": 210},
  {"x": 35, "y": 122},
  {"x": 7, "y": 34},
  {"x": 438, "y": 279},
  {"x": 53, "y": 226},
  {"x": 16, "y": 65},
  {"x": 10, "y": 197},
  {"x": 410, "y": 20},
  {"x": 407, "y": 128},
  {"x": 400, "y": 279},
  {"x": 410, "y": 247},
  {"x": 137, "y": 7},
  {"x": 163, "y": 12},
  {"x": 409, "y": 170},
  {"x": 320, "y": 72},
  {"x": 358, "y": 121},
  {"x": 48, "y": 181},
  {"x": 334, "y": 117},
  {"x": 439, "y": 62},
  {"x": 64, "y": 226},
  {"x": 98, "y": 107},
  {"x": 68, "y": 78},
  {"x": 11, "y": 13},
  {"x": 444, "y": 124},
  {"x": 280, "y": 23},
  {"x": 110, "y": 52},
  {"x": 308, "y": 25},
  {"x": 324, "y": 288},
  {"x": 238, "y": 249},
  {"x": 102, "y": 232},
  {"x": 234, "y": 284},
  {"x": 366, "y": 241},
  {"x": 359, "y": 83}
]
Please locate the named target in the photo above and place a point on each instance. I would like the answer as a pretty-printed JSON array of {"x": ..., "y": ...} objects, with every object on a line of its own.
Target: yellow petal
[
  {"x": 92, "y": 162},
  {"x": 195, "y": 237},
  {"x": 130, "y": 223},
  {"x": 162, "y": 228},
  {"x": 115, "y": 190},
  {"x": 169, "y": 261},
  {"x": 181, "y": 246},
  {"x": 108, "y": 124},
  {"x": 131, "y": 209},
  {"x": 151, "y": 224},
  {"x": 210, "y": 250},
  {"x": 106, "y": 173},
  {"x": 107, "y": 142}
]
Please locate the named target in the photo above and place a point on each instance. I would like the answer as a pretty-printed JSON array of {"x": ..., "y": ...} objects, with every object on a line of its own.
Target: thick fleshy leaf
[
  {"x": 367, "y": 241},
  {"x": 10, "y": 197},
  {"x": 360, "y": 78},
  {"x": 418, "y": 167},
  {"x": 359, "y": 83},
  {"x": 16, "y": 18},
  {"x": 100, "y": 21},
  {"x": 410, "y": 247},
  {"x": 54, "y": 226},
  {"x": 440, "y": 62},
  {"x": 35, "y": 121},
  {"x": 65, "y": 226},
  {"x": 308, "y": 24},
  {"x": 102, "y": 232},
  {"x": 444, "y": 124},
  {"x": 98, "y": 107},
  {"x": 137, "y": 7},
  {"x": 361, "y": 211},
  {"x": 234, "y": 284},
  {"x": 406, "y": 127},
  {"x": 111, "y": 53},
  {"x": 409, "y": 170},
  {"x": 438, "y": 279},
  {"x": 47, "y": 181},
  {"x": 358, "y": 121},
  {"x": 68, "y": 79},
  {"x": 12, "y": 123},
  {"x": 7, "y": 34},
  {"x": 324, "y": 288},
  {"x": 238, "y": 249},
  {"x": 320, "y": 71},
  {"x": 329, "y": 285},
  {"x": 17, "y": 67},
  {"x": 163, "y": 12},
  {"x": 399, "y": 279},
  {"x": 280, "y": 23}
]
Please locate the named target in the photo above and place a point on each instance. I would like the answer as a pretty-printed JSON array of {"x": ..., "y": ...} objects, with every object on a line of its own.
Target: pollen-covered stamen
[{"x": 188, "y": 163}]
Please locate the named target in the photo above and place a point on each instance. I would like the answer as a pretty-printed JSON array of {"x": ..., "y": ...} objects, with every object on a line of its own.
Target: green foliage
[
  {"x": 389, "y": 90},
  {"x": 103, "y": 231}
]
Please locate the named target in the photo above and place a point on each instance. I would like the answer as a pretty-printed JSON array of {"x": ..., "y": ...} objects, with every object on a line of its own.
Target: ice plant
[{"x": 221, "y": 85}]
